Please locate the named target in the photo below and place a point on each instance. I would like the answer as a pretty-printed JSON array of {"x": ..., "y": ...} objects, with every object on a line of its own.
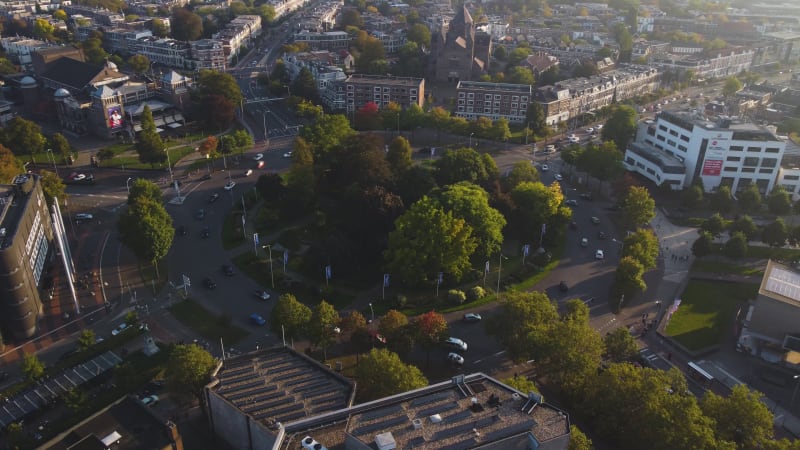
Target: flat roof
[
  {"x": 384, "y": 80},
  {"x": 494, "y": 87},
  {"x": 781, "y": 283},
  {"x": 280, "y": 384},
  {"x": 475, "y": 411}
]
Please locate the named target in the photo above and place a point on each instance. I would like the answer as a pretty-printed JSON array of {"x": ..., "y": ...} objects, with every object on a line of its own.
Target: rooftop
[
  {"x": 494, "y": 87},
  {"x": 384, "y": 80},
  {"x": 281, "y": 385},
  {"x": 13, "y": 201},
  {"x": 463, "y": 413},
  {"x": 781, "y": 283}
]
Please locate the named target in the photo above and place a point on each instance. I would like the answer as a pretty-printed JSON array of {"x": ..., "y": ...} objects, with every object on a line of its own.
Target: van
[{"x": 456, "y": 343}]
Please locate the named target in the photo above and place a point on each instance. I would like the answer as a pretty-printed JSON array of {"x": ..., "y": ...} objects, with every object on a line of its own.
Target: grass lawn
[
  {"x": 208, "y": 325},
  {"x": 707, "y": 311},
  {"x": 130, "y": 160},
  {"x": 728, "y": 268}
]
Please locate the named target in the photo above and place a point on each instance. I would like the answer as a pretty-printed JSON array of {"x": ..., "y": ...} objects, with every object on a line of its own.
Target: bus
[{"x": 700, "y": 375}]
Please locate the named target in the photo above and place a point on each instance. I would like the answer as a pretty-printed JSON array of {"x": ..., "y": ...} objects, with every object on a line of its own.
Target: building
[
  {"x": 770, "y": 329},
  {"x": 26, "y": 239},
  {"x": 724, "y": 152},
  {"x": 43, "y": 58},
  {"x": 19, "y": 49},
  {"x": 493, "y": 100},
  {"x": 712, "y": 64},
  {"x": 382, "y": 90},
  {"x": 239, "y": 32},
  {"x": 459, "y": 51},
  {"x": 326, "y": 40},
  {"x": 468, "y": 412},
  {"x": 329, "y": 76}
]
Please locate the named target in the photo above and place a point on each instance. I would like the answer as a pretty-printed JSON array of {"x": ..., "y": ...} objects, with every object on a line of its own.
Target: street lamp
[
  {"x": 499, "y": 271},
  {"x": 372, "y": 313},
  {"x": 169, "y": 166},
  {"x": 470, "y": 139},
  {"x": 794, "y": 394},
  {"x": 398, "y": 124},
  {"x": 128, "y": 185},
  {"x": 55, "y": 169},
  {"x": 271, "y": 277},
  {"x": 621, "y": 245}
]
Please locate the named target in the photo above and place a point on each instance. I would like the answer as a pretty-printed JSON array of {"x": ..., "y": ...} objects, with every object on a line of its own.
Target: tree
[
  {"x": 703, "y": 245},
  {"x": 352, "y": 322},
  {"x": 149, "y": 146},
  {"x": 322, "y": 326},
  {"x": 621, "y": 125},
  {"x": 522, "y": 384},
  {"x": 399, "y": 155},
  {"x": 94, "y": 52},
  {"x": 779, "y": 201},
  {"x": 23, "y": 137},
  {"x": 146, "y": 229},
  {"x": 144, "y": 189},
  {"x": 745, "y": 225},
  {"x": 304, "y": 85},
  {"x": 60, "y": 14},
  {"x": 750, "y": 198},
  {"x": 535, "y": 117},
  {"x": 391, "y": 323},
  {"x": 465, "y": 164},
  {"x": 500, "y": 130},
  {"x": 714, "y": 225},
  {"x": 139, "y": 63},
  {"x": 43, "y": 29},
  {"x": 188, "y": 370},
  {"x": 740, "y": 417},
  {"x": 381, "y": 373},
  {"x": 602, "y": 161},
  {"x": 775, "y": 234},
  {"x": 693, "y": 196},
  {"x": 629, "y": 276},
  {"x": 159, "y": 28},
  {"x": 620, "y": 345},
  {"x": 431, "y": 329},
  {"x": 351, "y": 18},
  {"x": 420, "y": 34},
  {"x": 643, "y": 246},
  {"x": 131, "y": 318},
  {"x": 722, "y": 201},
  {"x": 521, "y": 171},
  {"x": 86, "y": 339},
  {"x": 521, "y": 321},
  {"x": 638, "y": 207},
  {"x": 736, "y": 247},
  {"x": 578, "y": 440},
  {"x": 218, "y": 95},
  {"x": 326, "y": 133},
  {"x": 471, "y": 203},
  {"x": 7, "y": 67},
  {"x": 52, "y": 186},
  {"x": 536, "y": 204},
  {"x": 32, "y": 367},
  {"x": 186, "y": 25},
  {"x": 9, "y": 165},
  {"x": 75, "y": 399},
  {"x": 427, "y": 240},
  {"x": 731, "y": 87},
  {"x": 520, "y": 75},
  {"x": 208, "y": 147},
  {"x": 290, "y": 317}
]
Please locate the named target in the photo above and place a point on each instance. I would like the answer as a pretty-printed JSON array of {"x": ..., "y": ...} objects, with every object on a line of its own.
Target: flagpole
[
  {"x": 383, "y": 288},
  {"x": 499, "y": 270}
]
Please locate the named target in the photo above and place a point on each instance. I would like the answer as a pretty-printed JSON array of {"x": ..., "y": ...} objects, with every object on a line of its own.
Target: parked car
[
  {"x": 599, "y": 254},
  {"x": 455, "y": 358},
  {"x": 602, "y": 235},
  {"x": 229, "y": 185},
  {"x": 571, "y": 203},
  {"x": 584, "y": 242},
  {"x": 471, "y": 317},
  {"x": 562, "y": 286},
  {"x": 590, "y": 130},
  {"x": 151, "y": 400},
  {"x": 545, "y": 168},
  {"x": 288, "y": 154},
  {"x": 260, "y": 165},
  {"x": 122, "y": 327},
  {"x": 227, "y": 269},
  {"x": 257, "y": 319},
  {"x": 456, "y": 343},
  {"x": 209, "y": 283},
  {"x": 261, "y": 294},
  {"x": 550, "y": 148},
  {"x": 558, "y": 177},
  {"x": 595, "y": 220},
  {"x": 248, "y": 172}
]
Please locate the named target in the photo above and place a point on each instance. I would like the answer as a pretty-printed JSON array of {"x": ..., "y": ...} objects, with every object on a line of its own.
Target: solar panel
[
  {"x": 380, "y": 425},
  {"x": 509, "y": 431},
  {"x": 461, "y": 445},
  {"x": 457, "y": 416},
  {"x": 329, "y": 389},
  {"x": 437, "y": 409},
  {"x": 414, "y": 443},
  {"x": 287, "y": 375},
  {"x": 383, "y": 412},
  {"x": 311, "y": 386},
  {"x": 305, "y": 379},
  {"x": 431, "y": 399},
  {"x": 256, "y": 393},
  {"x": 453, "y": 431},
  {"x": 241, "y": 387},
  {"x": 291, "y": 416},
  {"x": 784, "y": 282}
]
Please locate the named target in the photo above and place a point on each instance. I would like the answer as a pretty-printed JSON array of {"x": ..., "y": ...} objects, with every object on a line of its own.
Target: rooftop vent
[
  {"x": 310, "y": 443},
  {"x": 436, "y": 418},
  {"x": 516, "y": 396},
  {"x": 417, "y": 424},
  {"x": 385, "y": 441}
]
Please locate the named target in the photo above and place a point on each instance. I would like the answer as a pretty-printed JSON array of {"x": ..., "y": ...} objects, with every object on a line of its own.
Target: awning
[{"x": 174, "y": 125}]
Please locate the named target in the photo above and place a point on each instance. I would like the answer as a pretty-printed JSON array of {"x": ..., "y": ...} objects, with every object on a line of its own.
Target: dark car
[
  {"x": 573, "y": 225},
  {"x": 200, "y": 214},
  {"x": 209, "y": 283},
  {"x": 227, "y": 269},
  {"x": 586, "y": 196},
  {"x": 602, "y": 235},
  {"x": 214, "y": 197},
  {"x": 182, "y": 230},
  {"x": 563, "y": 286},
  {"x": 261, "y": 294},
  {"x": 206, "y": 233}
]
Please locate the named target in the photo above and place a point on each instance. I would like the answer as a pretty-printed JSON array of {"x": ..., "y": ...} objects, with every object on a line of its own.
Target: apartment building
[
  {"x": 717, "y": 64},
  {"x": 326, "y": 40},
  {"x": 329, "y": 77},
  {"x": 19, "y": 49},
  {"x": 283, "y": 7},
  {"x": 392, "y": 41},
  {"x": 679, "y": 147},
  {"x": 240, "y": 32},
  {"x": 493, "y": 100},
  {"x": 382, "y": 90}
]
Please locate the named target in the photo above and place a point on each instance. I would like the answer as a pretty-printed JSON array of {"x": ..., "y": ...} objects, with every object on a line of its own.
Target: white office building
[{"x": 679, "y": 147}]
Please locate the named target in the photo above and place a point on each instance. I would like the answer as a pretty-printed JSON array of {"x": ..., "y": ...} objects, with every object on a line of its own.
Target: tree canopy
[
  {"x": 188, "y": 370},
  {"x": 146, "y": 229},
  {"x": 290, "y": 318},
  {"x": 185, "y": 25},
  {"x": 621, "y": 126},
  {"x": 381, "y": 373},
  {"x": 471, "y": 203},
  {"x": 638, "y": 207}
]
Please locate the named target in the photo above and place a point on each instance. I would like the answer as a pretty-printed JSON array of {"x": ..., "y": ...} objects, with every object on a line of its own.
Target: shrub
[
  {"x": 401, "y": 301},
  {"x": 456, "y": 296},
  {"x": 476, "y": 293}
]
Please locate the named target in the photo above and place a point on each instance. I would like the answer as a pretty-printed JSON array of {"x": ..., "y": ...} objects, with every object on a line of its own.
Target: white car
[
  {"x": 83, "y": 216},
  {"x": 456, "y": 343},
  {"x": 574, "y": 139},
  {"x": 598, "y": 127},
  {"x": 599, "y": 254},
  {"x": 455, "y": 358},
  {"x": 590, "y": 130},
  {"x": 122, "y": 327},
  {"x": 550, "y": 149},
  {"x": 229, "y": 185},
  {"x": 287, "y": 154},
  {"x": 150, "y": 400},
  {"x": 259, "y": 156},
  {"x": 558, "y": 177},
  {"x": 248, "y": 172},
  {"x": 584, "y": 242},
  {"x": 545, "y": 168}
]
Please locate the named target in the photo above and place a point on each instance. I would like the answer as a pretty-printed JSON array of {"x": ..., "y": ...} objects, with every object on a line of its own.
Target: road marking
[{"x": 115, "y": 197}]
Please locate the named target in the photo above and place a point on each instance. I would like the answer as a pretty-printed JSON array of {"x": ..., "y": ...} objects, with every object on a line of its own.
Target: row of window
[
  {"x": 674, "y": 133},
  {"x": 752, "y": 161},
  {"x": 746, "y": 170},
  {"x": 496, "y": 104},
  {"x": 739, "y": 148},
  {"x": 514, "y": 98},
  {"x": 520, "y": 113}
]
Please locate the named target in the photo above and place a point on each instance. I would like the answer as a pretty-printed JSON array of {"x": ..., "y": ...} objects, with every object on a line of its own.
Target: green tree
[
  {"x": 139, "y": 63},
  {"x": 32, "y": 366},
  {"x": 602, "y": 161},
  {"x": 471, "y": 203},
  {"x": 521, "y": 321},
  {"x": 381, "y": 373},
  {"x": 43, "y": 29},
  {"x": 521, "y": 171},
  {"x": 420, "y": 34},
  {"x": 431, "y": 329},
  {"x": 391, "y": 323},
  {"x": 60, "y": 14},
  {"x": 10, "y": 166},
  {"x": 351, "y": 323},
  {"x": 144, "y": 189},
  {"x": 290, "y": 317},
  {"x": 186, "y": 25},
  {"x": 326, "y": 133},
  {"x": 23, "y": 137},
  {"x": 775, "y": 234},
  {"x": 188, "y": 370},
  {"x": 750, "y": 198},
  {"x": 149, "y": 146},
  {"x": 736, "y": 247},
  {"x": 465, "y": 164},
  {"x": 745, "y": 225},
  {"x": 741, "y": 417},
  {"x": 620, "y": 126},
  {"x": 578, "y": 440},
  {"x": 60, "y": 146},
  {"x": 522, "y": 384},
  {"x": 642, "y": 245},
  {"x": 638, "y": 207},
  {"x": 731, "y": 87},
  {"x": 427, "y": 240},
  {"x": 500, "y": 130},
  {"x": 305, "y": 86},
  {"x": 322, "y": 326},
  {"x": 714, "y": 225},
  {"x": 399, "y": 155},
  {"x": 351, "y": 18},
  {"x": 693, "y": 197},
  {"x": 536, "y": 204},
  {"x": 517, "y": 55},
  {"x": 520, "y": 75},
  {"x": 86, "y": 339},
  {"x": 620, "y": 345},
  {"x": 722, "y": 201},
  {"x": 535, "y": 117},
  {"x": 94, "y": 52},
  {"x": 131, "y": 318},
  {"x": 779, "y": 201},
  {"x": 146, "y": 229},
  {"x": 703, "y": 245},
  {"x": 75, "y": 399},
  {"x": 7, "y": 67},
  {"x": 629, "y": 276},
  {"x": 218, "y": 95},
  {"x": 159, "y": 28},
  {"x": 52, "y": 186}
]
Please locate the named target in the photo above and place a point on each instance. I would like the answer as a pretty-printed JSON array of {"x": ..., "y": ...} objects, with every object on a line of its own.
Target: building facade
[
  {"x": 326, "y": 40},
  {"x": 718, "y": 153},
  {"x": 26, "y": 238},
  {"x": 493, "y": 100},
  {"x": 382, "y": 90},
  {"x": 459, "y": 51}
]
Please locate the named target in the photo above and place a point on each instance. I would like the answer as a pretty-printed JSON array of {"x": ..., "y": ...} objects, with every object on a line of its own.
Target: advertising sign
[
  {"x": 114, "y": 117},
  {"x": 712, "y": 167}
]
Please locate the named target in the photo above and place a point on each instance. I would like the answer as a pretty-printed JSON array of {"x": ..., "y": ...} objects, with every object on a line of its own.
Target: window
[
  {"x": 671, "y": 143},
  {"x": 772, "y": 150},
  {"x": 470, "y": 95},
  {"x": 514, "y": 105},
  {"x": 769, "y": 162},
  {"x": 496, "y": 104},
  {"x": 658, "y": 146},
  {"x": 789, "y": 187},
  {"x": 685, "y": 138},
  {"x": 661, "y": 138},
  {"x": 515, "y": 98},
  {"x": 648, "y": 141},
  {"x": 673, "y": 132},
  {"x": 524, "y": 98},
  {"x": 470, "y": 102},
  {"x": 487, "y": 97},
  {"x": 792, "y": 177},
  {"x": 736, "y": 148},
  {"x": 754, "y": 149},
  {"x": 460, "y": 102},
  {"x": 729, "y": 169},
  {"x": 460, "y": 95},
  {"x": 682, "y": 148},
  {"x": 750, "y": 162},
  {"x": 748, "y": 169},
  {"x": 662, "y": 128},
  {"x": 651, "y": 171},
  {"x": 497, "y": 97},
  {"x": 733, "y": 158},
  {"x": 765, "y": 170},
  {"x": 640, "y": 165}
]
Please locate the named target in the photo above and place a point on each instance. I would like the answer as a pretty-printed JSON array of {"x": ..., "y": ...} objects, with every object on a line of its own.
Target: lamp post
[
  {"x": 53, "y": 158},
  {"x": 372, "y": 313},
  {"x": 470, "y": 139},
  {"x": 621, "y": 245},
  {"x": 398, "y": 124},
  {"x": 169, "y": 166},
  {"x": 271, "y": 277},
  {"x": 128, "y": 185},
  {"x": 794, "y": 394},
  {"x": 499, "y": 271},
  {"x": 264, "y": 118}
]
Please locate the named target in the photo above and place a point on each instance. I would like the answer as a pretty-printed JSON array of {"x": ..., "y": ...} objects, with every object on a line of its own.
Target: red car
[{"x": 260, "y": 165}]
